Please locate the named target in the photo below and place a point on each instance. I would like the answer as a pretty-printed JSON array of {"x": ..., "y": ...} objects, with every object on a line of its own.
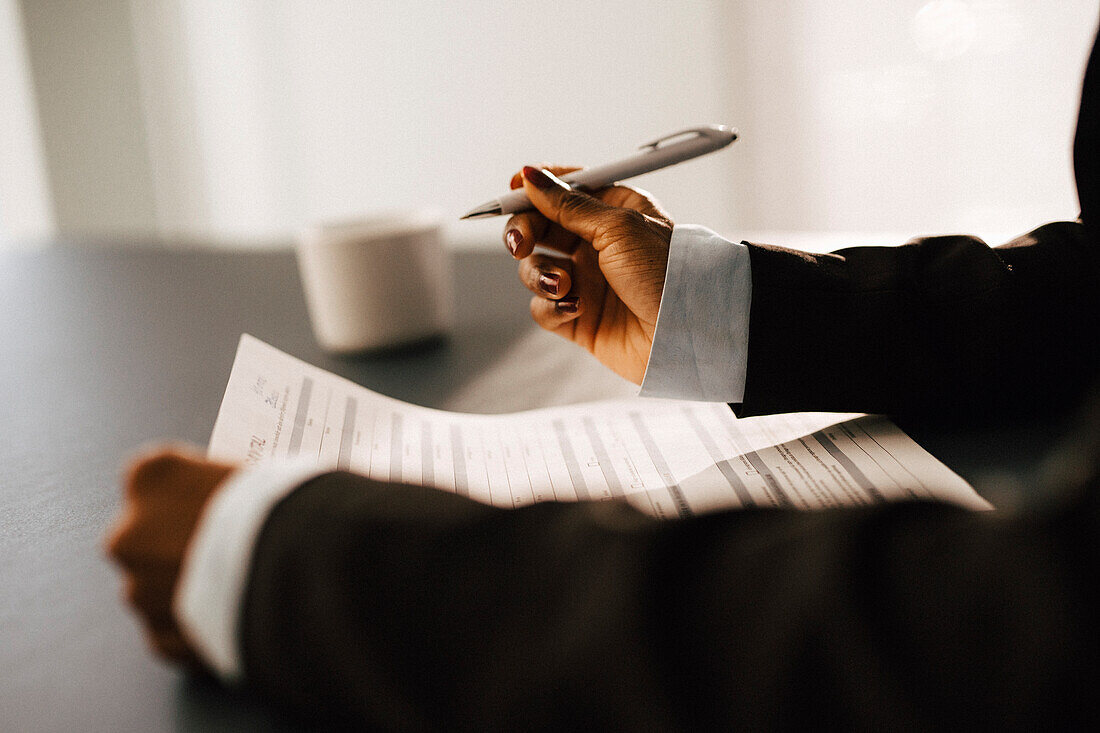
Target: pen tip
[{"x": 484, "y": 211}]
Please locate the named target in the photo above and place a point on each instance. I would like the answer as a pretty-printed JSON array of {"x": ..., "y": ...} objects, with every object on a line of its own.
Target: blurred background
[{"x": 207, "y": 122}]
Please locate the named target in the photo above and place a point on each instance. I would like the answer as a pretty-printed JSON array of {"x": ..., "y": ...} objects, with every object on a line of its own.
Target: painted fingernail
[
  {"x": 537, "y": 177},
  {"x": 569, "y": 305},
  {"x": 550, "y": 282},
  {"x": 513, "y": 239}
]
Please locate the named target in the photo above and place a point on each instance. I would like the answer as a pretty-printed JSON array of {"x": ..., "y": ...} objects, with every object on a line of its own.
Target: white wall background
[
  {"x": 26, "y": 215},
  {"x": 911, "y": 116},
  {"x": 241, "y": 121},
  {"x": 305, "y": 110}
]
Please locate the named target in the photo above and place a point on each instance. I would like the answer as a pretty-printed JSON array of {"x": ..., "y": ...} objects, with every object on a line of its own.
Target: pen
[{"x": 650, "y": 157}]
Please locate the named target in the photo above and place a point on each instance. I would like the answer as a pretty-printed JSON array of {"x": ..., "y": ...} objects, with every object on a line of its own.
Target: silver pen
[{"x": 658, "y": 154}]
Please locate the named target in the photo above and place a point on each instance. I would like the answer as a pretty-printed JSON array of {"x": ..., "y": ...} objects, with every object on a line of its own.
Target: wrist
[{"x": 215, "y": 570}]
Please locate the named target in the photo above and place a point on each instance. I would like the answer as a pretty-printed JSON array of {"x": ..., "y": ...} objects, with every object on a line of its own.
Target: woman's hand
[
  {"x": 165, "y": 494},
  {"x": 603, "y": 289}
]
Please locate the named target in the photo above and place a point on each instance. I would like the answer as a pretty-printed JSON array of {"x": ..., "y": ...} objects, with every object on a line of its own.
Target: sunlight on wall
[
  {"x": 257, "y": 118},
  {"x": 912, "y": 116}
]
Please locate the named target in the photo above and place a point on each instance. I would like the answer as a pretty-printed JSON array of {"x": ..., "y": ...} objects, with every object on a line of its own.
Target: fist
[{"x": 165, "y": 493}]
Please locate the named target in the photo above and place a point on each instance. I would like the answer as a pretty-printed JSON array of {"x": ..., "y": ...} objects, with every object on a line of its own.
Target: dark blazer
[{"x": 402, "y": 607}]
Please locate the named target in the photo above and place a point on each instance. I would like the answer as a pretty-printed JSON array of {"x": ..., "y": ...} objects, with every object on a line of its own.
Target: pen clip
[{"x": 714, "y": 132}]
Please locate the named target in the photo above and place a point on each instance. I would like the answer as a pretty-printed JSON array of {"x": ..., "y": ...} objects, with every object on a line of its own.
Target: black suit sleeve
[
  {"x": 403, "y": 607},
  {"x": 941, "y": 324}
]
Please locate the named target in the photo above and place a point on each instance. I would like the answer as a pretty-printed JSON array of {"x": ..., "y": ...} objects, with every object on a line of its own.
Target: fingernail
[
  {"x": 550, "y": 282},
  {"x": 513, "y": 239},
  {"x": 537, "y": 177},
  {"x": 569, "y": 305}
]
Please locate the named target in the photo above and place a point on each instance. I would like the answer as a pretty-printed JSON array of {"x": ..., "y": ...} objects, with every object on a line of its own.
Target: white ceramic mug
[{"x": 376, "y": 282}]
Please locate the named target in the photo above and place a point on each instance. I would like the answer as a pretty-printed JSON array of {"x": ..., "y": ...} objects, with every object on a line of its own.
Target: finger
[
  {"x": 522, "y": 232},
  {"x": 119, "y": 541},
  {"x": 631, "y": 197},
  {"x": 548, "y": 277},
  {"x": 143, "y": 474},
  {"x": 137, "y": 542},
  {"x": 172, "y": 470},
  {"x": 153, "y": 461},
  {"x": 578, "y": 212},
  {"x": 555, "y": 315},
  {"x": 557, "y": 170},
  {"x": 155, "y": 468},
  {"x": 139, "y": 545},
  {"x": 531, "y": 229}
]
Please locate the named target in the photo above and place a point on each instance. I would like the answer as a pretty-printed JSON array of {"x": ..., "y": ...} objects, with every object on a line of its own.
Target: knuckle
[
  {"x": 575, "y": 202},
  {"x": 149, "y": 470},
  {"x": 532, "y": 280},
  {"x": 122, "y": 543},
  {"x": 624, "y": 224},
  {"x": 131, "y": 592},
  {"x": 528, "y": 275},
  {"x": 117, "y": 544},
  {"x": 540, "y": 311},
  {"x": 536, "y": 309},
  {"x": 631, "y": 219}
]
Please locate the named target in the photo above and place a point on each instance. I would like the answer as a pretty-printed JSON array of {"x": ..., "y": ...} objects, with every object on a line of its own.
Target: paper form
[{"x": 669, "y": 458}]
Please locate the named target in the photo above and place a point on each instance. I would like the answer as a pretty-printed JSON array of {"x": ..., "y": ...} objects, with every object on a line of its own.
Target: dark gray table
[{"x": 106, "y": 349}]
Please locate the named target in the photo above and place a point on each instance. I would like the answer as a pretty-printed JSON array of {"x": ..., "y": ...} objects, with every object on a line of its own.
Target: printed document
[{"x": 669, "y": 458}]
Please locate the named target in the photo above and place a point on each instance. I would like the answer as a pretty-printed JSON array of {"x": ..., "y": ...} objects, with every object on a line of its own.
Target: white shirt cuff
[
  {"x": 215, "y": 571},
  {"x": 700, "y": 345}
]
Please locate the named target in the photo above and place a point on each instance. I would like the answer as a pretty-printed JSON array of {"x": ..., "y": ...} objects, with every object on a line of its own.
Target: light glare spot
[{"x": 944, "y": 29}]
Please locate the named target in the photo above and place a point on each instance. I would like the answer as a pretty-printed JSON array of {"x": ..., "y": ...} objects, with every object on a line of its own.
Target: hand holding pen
[{"x": 601, "y": 288}]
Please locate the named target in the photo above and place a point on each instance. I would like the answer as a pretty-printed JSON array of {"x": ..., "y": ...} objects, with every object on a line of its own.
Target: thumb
[{"x": 584, "y": 215}]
